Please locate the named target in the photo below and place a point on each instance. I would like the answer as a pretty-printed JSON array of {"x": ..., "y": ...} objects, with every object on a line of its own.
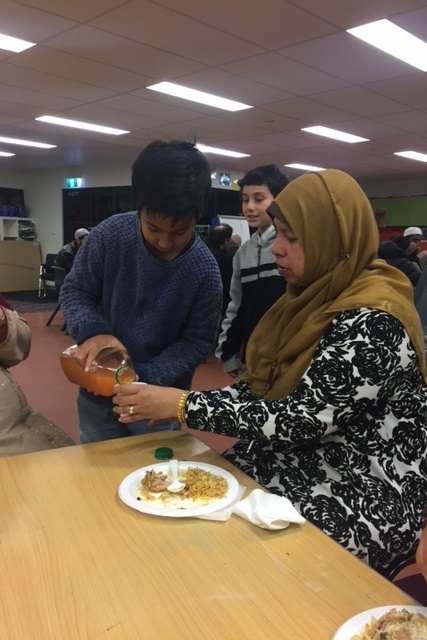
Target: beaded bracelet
[{"x": 180, "y": 412}]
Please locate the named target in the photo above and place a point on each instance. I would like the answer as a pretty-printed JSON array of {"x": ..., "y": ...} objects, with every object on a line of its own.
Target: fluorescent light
[
  {"x": 221, "y": 152},
  {"x": 412, "y": 155},
  {"x": 304, "y": 167},
  {"x": 6, "y": 154},
  {"x": 14, "y": 44},
  {"x": 76, "y": 124},
  {"x": 27, "y": 143},
  {"x": 186, "y": 93},
  {"x": 335, "y": 134},
  {"x": 393, "y": 40}
]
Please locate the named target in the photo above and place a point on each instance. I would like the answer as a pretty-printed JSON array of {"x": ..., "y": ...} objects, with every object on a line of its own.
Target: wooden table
[{"x": 78, "y": 564}]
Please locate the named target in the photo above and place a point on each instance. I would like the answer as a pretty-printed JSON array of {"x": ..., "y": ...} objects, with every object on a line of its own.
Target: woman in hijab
[{"x": 333, "y": 410}]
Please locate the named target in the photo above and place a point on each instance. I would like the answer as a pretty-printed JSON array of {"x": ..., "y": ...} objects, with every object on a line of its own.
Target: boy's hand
[{"x": 89, "y": 349}]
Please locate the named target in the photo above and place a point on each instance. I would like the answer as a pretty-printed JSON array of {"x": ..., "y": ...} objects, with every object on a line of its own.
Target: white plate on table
[
  {"x": 129, "y": 491},
  {"x": 356, "y": 624}
]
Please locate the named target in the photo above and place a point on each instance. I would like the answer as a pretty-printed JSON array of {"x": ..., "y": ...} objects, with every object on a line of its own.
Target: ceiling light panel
[
  {"x": 412, "y": 155},
  {"x": 76, "y": 124},
  {"x": 14, "y": 44},
  {"x": 171, "y": 89},
  {"x": 221, "y": 152},
  {"x": 5, "y": 154},
  {"x": 395, "y": 41},
  {"x": 334, "y": 134},
  {"x": 27, "y": 143},
  {"x": 304, "y": 167}
]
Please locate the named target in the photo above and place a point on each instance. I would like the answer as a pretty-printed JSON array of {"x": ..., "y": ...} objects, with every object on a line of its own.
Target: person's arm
[
  {"x": 15, "y": 338},
  {"x": 231, "y": 337},
  {"x": 162, "y": 403}
]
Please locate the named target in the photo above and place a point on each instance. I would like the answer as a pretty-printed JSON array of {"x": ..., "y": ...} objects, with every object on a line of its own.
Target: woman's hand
[
  {"x": 86, "y": 353},
  {"x": 421, "y": 557},
  {"x": 145, "y": 402}
]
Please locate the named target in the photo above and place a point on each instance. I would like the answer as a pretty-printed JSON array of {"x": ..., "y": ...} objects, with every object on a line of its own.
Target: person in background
[
  {"x": 255, "y": 283},
  {"x": 145, "y": 283},
  {"x": 22, "y": 428},
  {"x": 396, "y": 253},
  {"x": 415, "y": 235},
  {"x": 218, "y": 242},
  {"x": 65, "y": 257},
  {"x": 235, "y": 243},
  {"x": 332, "y": 412}
]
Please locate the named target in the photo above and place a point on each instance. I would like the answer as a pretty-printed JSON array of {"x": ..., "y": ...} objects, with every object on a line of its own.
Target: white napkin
[
  {"x": 267, "y": 510},
  {"x": 264, "y": 510}
]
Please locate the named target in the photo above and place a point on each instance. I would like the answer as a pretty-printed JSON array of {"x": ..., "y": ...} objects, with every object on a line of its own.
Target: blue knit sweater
[{"x": 165, "y": 313}]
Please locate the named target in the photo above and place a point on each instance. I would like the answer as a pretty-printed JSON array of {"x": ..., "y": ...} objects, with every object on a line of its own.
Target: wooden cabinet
[{"x": 20, "y": 262}]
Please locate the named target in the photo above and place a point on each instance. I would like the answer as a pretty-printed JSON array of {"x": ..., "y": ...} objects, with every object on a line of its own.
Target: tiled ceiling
[{"x": 291, "y": 59}]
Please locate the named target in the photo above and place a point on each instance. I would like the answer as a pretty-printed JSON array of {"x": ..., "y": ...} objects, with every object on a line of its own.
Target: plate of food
[
  {"x": 398, "y": 622},
  {"x": 205, "y": 488}
]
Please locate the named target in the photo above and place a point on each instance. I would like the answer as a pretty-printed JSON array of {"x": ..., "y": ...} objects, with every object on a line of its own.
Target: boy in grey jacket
[{"x": 255, "y": 283}]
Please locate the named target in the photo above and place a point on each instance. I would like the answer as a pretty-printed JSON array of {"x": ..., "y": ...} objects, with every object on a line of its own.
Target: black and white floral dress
[{"x": 348, "y": 447}]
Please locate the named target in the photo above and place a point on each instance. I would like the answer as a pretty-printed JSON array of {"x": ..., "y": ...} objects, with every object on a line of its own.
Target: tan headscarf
[{"x": 333, "y": 220}]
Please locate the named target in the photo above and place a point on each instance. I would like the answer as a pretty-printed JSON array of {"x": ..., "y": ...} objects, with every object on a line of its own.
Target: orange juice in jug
[{"x": 109, "y": 368}]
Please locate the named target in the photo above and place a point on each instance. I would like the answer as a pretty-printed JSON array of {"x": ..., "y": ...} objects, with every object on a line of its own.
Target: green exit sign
[{"x": 73, "y": 183}]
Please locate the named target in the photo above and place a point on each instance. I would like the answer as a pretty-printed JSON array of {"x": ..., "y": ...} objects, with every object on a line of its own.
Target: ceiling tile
[
  {"x": 180, "y": 34},
  {"x": 82, "y": 8},
  {"x": 348, "y": 58},
  {"x": 123, "y": 53},
  {"x": 272, "y": 24},
  {"x": 283, "y": 73}
]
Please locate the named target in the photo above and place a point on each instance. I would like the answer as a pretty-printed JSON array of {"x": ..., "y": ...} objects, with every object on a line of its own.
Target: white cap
[
  {"x": 80, "y": 233},
  {"x": 412, "y": 231}
]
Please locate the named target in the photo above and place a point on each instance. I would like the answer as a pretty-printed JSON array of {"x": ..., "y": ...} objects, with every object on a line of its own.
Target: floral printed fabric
[{"x": 348, "y": 447}]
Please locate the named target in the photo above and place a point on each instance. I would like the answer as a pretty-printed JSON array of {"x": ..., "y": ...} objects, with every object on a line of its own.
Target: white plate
[
  {"x": 356, "y": 624},
  {"x": 128, "y": 491}
]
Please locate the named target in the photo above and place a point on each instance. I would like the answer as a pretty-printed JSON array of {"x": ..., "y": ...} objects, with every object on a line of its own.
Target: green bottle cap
[{"x": 163, "y": 453}]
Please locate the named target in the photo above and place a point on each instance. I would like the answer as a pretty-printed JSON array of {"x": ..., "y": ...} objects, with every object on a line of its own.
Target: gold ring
[{"x": 131, "y": 410}]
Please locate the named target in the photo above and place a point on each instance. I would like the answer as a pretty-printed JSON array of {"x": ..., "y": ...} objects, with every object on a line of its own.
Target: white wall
[{"x": 43, "y": 196}]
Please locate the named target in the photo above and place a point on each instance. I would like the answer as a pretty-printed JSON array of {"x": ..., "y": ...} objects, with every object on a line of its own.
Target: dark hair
[
  {"x": 268, "y": 175},
  {"x": 171, "y": 179},
  {"x": 402, "y": 241},
  {"x": 219, "y": 234}
]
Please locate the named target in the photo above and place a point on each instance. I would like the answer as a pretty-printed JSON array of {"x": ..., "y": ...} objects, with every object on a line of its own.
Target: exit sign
[{"x": 73, "y": 183}]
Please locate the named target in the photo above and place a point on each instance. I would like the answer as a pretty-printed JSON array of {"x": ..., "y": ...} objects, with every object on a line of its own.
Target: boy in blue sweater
[{"x": 145, "y": 282}]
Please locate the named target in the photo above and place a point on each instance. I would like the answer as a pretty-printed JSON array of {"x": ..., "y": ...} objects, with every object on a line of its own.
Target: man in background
[
  {"x": 65, "y": 257},
  {"x": 415, "y": 235}
]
